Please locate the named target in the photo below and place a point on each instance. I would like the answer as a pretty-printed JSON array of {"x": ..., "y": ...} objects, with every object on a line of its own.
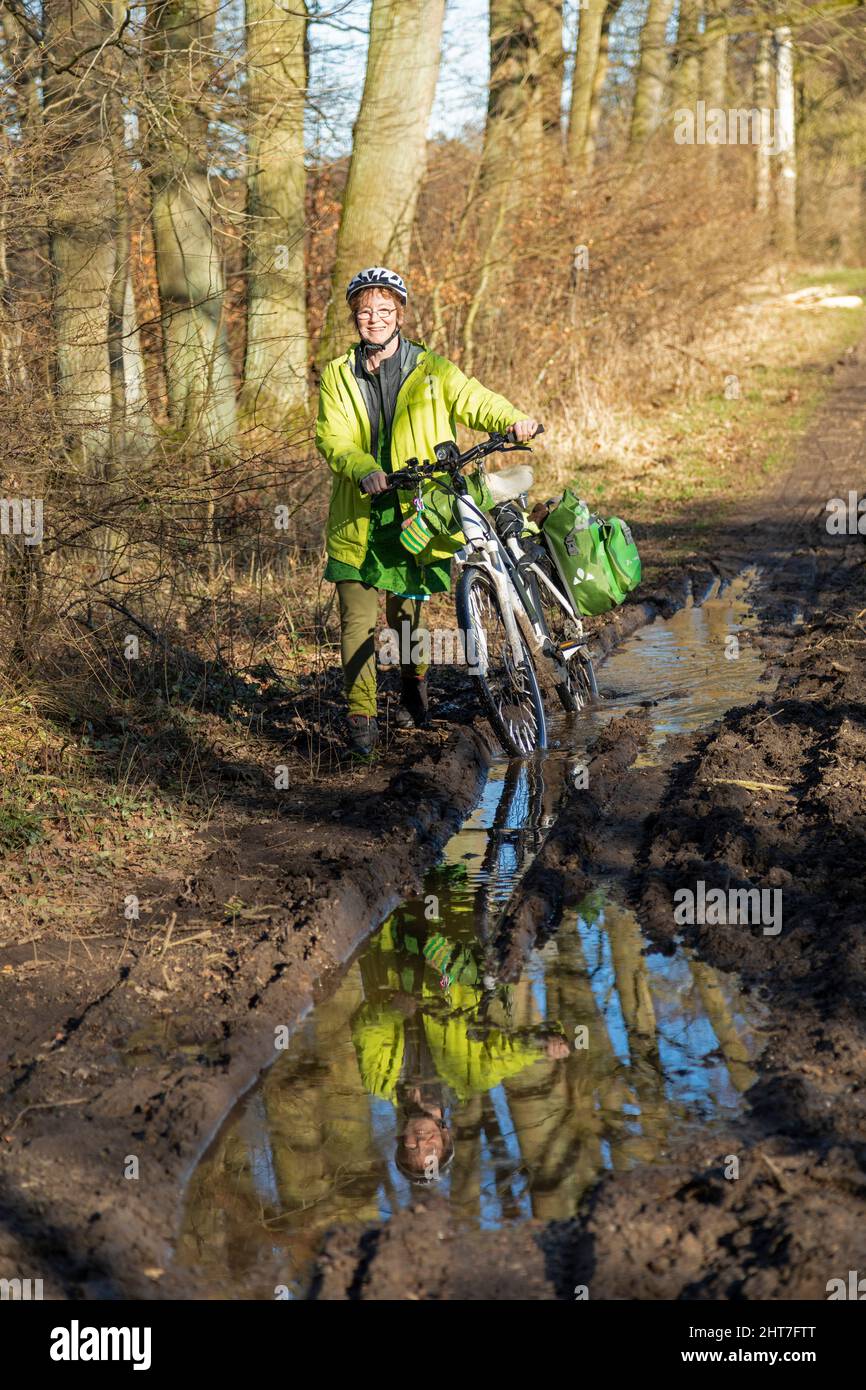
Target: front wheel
[{"x": 509, "y": 689}]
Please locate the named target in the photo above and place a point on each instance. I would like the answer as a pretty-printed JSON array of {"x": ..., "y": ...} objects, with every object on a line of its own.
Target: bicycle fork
[{"x": 484, "y": 549}]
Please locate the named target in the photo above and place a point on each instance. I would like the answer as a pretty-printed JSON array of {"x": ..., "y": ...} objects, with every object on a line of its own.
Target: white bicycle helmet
[{"x": 377, "y": 277}]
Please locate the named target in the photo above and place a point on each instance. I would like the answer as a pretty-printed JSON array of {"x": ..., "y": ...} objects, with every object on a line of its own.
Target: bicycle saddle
[{"x": 510, "y": 482}]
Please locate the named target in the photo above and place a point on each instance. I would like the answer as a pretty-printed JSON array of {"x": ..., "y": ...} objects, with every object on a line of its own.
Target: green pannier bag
[
  {"x": 439, "y": 520},
  {"x": 597, "y": 560}
]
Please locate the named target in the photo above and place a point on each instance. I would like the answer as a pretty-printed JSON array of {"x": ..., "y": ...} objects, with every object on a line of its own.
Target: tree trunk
[
  {"x": 762, "y": 103},
  {"x": 275, "y": 371},
  {"x": 587, "y": 61},
  {"x": 714, "y": 69},
  {"x": 786, "y": 167},
  {"x": 591, "y": 141},
  {"x": 551, "y": 69},
  {"x": 686, "y": 76},
  {"x": 81, "y": 234},
  {"x": 652, "y": 76},
  {"x": 200, "y": 381},
  {"x": 388, "y": 149},
  {"x": 512, "y": 145}
]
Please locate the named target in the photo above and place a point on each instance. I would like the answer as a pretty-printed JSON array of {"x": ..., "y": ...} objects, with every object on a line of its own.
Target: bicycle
[{"x": 513, "y": 606}]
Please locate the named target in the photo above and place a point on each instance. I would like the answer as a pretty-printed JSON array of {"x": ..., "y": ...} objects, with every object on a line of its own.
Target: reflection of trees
[
  {"x": 318, "y": 1147},
  {"x": 636, "y": 1004},
  {"x": 303, "y": 1153},
  {"x": 716, "y": 1007}
]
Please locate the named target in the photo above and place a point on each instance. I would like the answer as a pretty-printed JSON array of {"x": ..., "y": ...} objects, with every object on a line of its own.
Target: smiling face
[
  {"x": 376, "y": 313},
  {"x": 423, "y": 1138}
]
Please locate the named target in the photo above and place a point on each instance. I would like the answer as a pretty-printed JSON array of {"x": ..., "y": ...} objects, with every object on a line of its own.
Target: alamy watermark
[
  {"x": 429, "y": 646},
  {"x": 729, "y": 907},
  {"x": 736, "y": 125},
  {"x": 846, "y": 517},
  {"x": 22, "y": 516},
  {"x": 853, "y": 1288},
  {"x": 20, "y": 1290}
]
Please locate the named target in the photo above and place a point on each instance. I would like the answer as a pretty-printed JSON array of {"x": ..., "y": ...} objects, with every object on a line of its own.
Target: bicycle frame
[
  {"x": 500, "y": 562},
  {"x": 504, "y": 564}
]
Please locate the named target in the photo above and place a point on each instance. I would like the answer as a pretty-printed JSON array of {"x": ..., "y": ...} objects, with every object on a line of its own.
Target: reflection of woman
[{"x": 423, "y": 1037}]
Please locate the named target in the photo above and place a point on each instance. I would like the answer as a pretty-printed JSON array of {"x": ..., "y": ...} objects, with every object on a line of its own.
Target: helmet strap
[{"x": 370, "y": 349}]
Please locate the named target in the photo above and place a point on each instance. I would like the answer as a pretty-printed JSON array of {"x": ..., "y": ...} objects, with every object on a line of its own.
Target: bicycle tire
[{"x": 520, "y": 738}]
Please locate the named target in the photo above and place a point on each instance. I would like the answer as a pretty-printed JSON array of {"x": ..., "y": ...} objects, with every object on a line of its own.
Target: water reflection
[
  {"x": 422, "y": 1063},
  {"x": 513, "y": 1098}
]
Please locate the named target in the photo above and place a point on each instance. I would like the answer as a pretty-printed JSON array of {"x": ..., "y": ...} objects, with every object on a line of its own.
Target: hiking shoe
[
  {"x": 363, "y": 735},
  {"x": 413, "y": 711}
]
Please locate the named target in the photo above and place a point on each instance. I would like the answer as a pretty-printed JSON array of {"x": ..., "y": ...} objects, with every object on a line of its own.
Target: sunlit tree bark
[
  {"x": 763, "y": 69},
  {"x": 201, "y": 387},
  {"x": 551, "y": 69},
  {"x": 586, "y": 64},
  {"x": 81, "y": 212},
  {"x": 275, "y": 370},
  {"x": 686, "y": 75},
  {"x": 595, "y": 101},
  {"x": 652, "y": 75},
  {"x": 714, "y": 69},
  {"x": 512, "y": 145},
  {"x": 786, "y": 171}
]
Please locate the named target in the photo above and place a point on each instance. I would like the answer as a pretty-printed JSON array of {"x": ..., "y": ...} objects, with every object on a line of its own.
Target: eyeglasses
[{"x": 368, "y": 314}]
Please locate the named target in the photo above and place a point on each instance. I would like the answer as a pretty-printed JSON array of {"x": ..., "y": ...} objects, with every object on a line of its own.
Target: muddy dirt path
[{"x": 124, "y": 1052}]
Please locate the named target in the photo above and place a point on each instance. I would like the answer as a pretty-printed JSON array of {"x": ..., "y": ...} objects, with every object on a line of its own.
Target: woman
[{"x": 384, "y": 401}]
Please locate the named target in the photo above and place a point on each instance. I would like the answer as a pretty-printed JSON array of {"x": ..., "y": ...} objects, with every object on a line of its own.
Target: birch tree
[
  {"x": 388, "y": 148},
  {"x": 763, "y": 69},
  {"x": 786, "y": 159}
]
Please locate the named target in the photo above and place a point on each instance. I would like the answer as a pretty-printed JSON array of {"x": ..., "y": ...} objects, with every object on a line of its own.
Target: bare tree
[
  {"x": 786, "y": 185},
  {"x": 551, "y": 71},
  {"x": 598, "y": 84},
  {"x": 686, "y": 76},
  {"x": 201, "y": 387},
  {"x": 388, "y": 149},
  {"x": 652, "y": 75},
  {"x": 81, "y": 211},
  {"x": 587, "y": 62},
  {"x": 512, "y": 143},
  {"x": 763, "y": 68},
  {"x": 714, "y": 67},
  {"x": 275, "y": 372}
]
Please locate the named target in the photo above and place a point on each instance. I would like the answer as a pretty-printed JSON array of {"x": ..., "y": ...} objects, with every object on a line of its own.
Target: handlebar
[{"x": 450, "y": 460}]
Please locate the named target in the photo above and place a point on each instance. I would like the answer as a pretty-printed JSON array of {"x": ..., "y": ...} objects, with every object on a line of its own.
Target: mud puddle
[
  {"x": 521, "y": 1095},
  {"x": 690, "y": 668},
  {"x": 597, "y": 1059}
]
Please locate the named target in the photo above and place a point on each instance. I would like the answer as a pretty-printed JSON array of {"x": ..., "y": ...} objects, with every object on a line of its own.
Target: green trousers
[{"x": 359, "y": 611}]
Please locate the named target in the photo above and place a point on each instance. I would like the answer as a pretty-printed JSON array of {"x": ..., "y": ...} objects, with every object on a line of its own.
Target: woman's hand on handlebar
[
  {"x": 524, "y": 430},
  {"x": 375, "y": 482}
]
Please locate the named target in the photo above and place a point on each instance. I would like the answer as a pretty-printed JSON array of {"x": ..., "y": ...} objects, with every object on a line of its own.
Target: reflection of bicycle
[{"x": 513, "y": 609}]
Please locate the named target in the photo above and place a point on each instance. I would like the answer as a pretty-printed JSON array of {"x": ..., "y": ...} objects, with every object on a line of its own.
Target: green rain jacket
[
  {"x": 433, "y": 399},
  {"x": 469, "y": 1065}
]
